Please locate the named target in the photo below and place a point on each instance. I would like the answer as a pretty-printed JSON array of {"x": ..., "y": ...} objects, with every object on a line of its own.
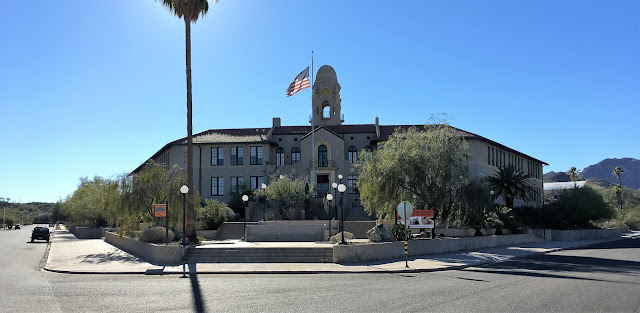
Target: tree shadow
[
  {"x": 198, "y": 303},
  {"x": 561, "y": 266},
  {"x": 97, "y": 258}
]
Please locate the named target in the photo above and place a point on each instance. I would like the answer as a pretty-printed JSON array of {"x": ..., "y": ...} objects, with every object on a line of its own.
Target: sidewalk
[{"x": 94, "y": 256}]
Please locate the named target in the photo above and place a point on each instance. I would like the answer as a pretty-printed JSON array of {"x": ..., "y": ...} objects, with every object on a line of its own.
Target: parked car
[
  {"x": 40, "y": 233},
  {"x": 17, "y": 226}
]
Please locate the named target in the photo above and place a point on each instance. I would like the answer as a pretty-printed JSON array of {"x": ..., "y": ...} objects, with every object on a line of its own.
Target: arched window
[
  {"x": 323, "y": 161},
  {"x": 326, "y": 112},
  {"x": 353, "y": 154},
  {"x": 280, "y": 156},
  {"x": 367, "y": 152},
  {"x": 295, "y": 155}
]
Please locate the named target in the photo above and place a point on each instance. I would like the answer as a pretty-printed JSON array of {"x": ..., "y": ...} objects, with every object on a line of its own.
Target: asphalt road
[{"x": 602, "y": 278}]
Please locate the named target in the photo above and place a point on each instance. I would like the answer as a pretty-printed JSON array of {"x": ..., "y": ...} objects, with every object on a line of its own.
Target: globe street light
[
  {"x": 184, "y": 190},
  {"x": 341, "y": 190},
  {"x": 264, "y": 203},
  {"x": 329, "y": 198},
  {"x": 335, "y": 204},
  {"x": 245, "y": 199}
]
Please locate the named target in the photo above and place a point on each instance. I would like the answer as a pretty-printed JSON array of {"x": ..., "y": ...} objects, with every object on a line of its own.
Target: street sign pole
[{"x": 406, "y": 235}]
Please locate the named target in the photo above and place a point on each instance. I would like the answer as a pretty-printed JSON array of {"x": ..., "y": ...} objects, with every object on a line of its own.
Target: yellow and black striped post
[{"x": 406, "y": 254}]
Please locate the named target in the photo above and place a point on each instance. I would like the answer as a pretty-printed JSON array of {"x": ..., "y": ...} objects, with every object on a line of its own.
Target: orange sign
[
  {"x": 423, "y": 213},
  {"x": 160, "y": 210}
]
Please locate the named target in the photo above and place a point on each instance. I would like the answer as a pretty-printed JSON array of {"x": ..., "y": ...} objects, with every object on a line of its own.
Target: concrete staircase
[
  {"x": 258, "y": 255},
  {"x": 232, "y": 230}
]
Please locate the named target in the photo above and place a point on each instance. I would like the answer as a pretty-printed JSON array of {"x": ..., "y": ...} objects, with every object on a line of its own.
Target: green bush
[
  {"x": 398, "y": 232},
  {"x": 213, "y": 214},
  {"x": 630, "y": 216},
  {"x": 155, "y": 235},
  {"x": 338, "y": 237},
  {"x": 576, "y": 208}
]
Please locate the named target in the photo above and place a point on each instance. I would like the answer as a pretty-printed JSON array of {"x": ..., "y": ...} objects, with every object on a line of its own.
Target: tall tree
[
  {"x": 509, "y": 183},
  {"x": 286, "y": 192},
  {"x": 618, "y": 171},
  {"x": 574, "y": 174},
  {"x": 189, "y": 11},
  {"x": 427, "y": 166}
]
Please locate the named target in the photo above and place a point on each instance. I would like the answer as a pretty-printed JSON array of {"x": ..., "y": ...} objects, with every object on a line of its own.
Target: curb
[{"x": 161, "y": 272}]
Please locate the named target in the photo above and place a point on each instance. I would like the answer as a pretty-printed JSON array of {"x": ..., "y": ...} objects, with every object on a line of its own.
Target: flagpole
[{"x": 313, "y": 139}]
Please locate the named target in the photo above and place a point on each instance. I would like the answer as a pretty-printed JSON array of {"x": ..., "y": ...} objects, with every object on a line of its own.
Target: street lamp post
[
  {"x": 329, "y": 198},
  {"x": 245, "y": 199},
  {"x": 335, "y": 204},
  {"x": 184, "y": 190},
  {"x": 264, "y": 203},
  {"x": 341, "y": 190}
]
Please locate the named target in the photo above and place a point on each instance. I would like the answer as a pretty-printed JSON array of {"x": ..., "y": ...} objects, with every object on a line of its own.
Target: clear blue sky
[{"x": 96, "y": 87}]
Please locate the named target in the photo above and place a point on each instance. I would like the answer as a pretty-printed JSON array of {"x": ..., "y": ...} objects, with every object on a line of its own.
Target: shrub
[
  {"x": 398, "y": 232},
  {"x": 577, "y": 208},
  {"x": 155, "y": 235},
  {"x": 214, "y": 214},
  {"x": 338, "y": 237}
]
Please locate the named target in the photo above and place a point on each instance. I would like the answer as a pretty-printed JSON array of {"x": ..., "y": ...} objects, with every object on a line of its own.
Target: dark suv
[{"x": 40, "y": 233}]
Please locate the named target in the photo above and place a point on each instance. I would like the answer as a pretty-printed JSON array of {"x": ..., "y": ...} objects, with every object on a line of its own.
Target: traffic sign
[{"x": 405, "y": 209}]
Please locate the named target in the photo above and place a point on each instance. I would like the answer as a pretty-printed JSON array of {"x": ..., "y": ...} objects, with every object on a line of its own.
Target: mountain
[
  {"x": 601, "y": 173},
  {"x": 553, "y": 177},
  {"x": 604, "y": 170}
]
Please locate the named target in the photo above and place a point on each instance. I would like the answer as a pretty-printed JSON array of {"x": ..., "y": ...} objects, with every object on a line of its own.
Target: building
[
  {"x": 227, "y": 158},
  {"x": 552, "y": 191}
]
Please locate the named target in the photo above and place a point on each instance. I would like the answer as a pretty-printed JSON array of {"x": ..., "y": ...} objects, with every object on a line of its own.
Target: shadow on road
[
  {"x": 198, "y": 301},
  {"x": 97, "y": 258},
  {"x": 561, "y": 266}
]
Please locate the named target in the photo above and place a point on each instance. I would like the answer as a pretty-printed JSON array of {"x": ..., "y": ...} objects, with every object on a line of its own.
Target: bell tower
[{"x": 326, "y": 98}]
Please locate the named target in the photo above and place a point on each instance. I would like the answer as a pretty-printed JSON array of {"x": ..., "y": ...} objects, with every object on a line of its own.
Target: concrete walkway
[{"x": 94, "y": 256}]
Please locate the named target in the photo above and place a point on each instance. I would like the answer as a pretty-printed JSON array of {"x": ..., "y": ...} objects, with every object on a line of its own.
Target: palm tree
[
  {"x": 574, "y": 174},
  {"x": 189, "y": 11},
  {"x": 617, "y": 171},
  {"x": 509, "y": 183}
]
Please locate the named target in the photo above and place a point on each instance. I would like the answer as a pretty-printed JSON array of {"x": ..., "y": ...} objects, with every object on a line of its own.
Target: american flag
[{"x": 301, "y": 82}]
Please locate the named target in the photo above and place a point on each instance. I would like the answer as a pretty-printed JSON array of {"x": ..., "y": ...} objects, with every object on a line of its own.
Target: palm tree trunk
[{"x": 191, "y": 216}]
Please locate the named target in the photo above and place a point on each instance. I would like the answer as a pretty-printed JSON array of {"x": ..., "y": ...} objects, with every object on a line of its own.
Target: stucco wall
[
  {"x": 152, "y": 253},
  {"x": 355, "y": 253},
  {"x": 257, "y": 233},
  {"x": 582, "y": 234}
]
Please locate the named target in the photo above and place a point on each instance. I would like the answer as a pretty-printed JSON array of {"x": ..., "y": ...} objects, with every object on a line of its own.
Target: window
[
  {"x": 488, "y": 155},
  {"x": 353, "y": 155},
  {"x": 351, "y": 184},
  {"x": 256, "y": 182},
  {"x": 322, "y": 156},
  {"x": 295, "y": 155},
  {"x": 236, "y": 184},
  {"x": 217, "y": 156},
  {"x": 236, "y": 156},
  {"x": 279, "y": 139},
  {"x": 217, "y": 186},
  {"x": 256, "y": 155},
  {"x": 280, "y": 156},
  {"x": 326, "y": 112},
  {"x": 493, "y": 157},
  {"x": 295, "y": 139},
  {"x": 368, "y": 148}
]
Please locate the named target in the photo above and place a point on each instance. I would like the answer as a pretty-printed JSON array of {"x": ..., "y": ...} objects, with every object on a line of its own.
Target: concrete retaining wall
[
  {"x": 355, "y": 253},
  {"x": 86, "y": 233},
  {"x": 152, "y": 253},
  {"x": 209, "y": 234},
  {"x": 582, "y": 234},
  {"x": 275, "y": 232}
]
